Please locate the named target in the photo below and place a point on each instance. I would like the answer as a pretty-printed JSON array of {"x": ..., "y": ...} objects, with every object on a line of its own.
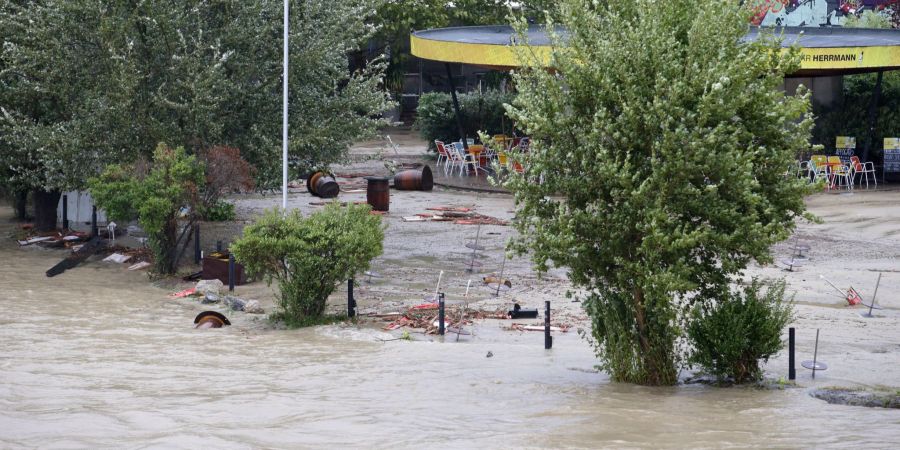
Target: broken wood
[{"x": 77, "y": 257}]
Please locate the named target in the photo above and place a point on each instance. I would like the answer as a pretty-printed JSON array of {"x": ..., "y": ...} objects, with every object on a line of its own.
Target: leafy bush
[
  {"x": 155, "y": 196},
  {"x": 307, "y": 257},
  {"x": 732, "y": 336},
  {"x": 221, "y": 211},
  {"x": 435, "y": 118}
]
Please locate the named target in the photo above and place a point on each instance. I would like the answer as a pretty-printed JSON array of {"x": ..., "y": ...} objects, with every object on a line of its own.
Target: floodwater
[{"x": 99, "y": 358}]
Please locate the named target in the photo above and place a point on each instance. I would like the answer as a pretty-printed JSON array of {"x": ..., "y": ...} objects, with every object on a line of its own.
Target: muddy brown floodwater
[{"x": 99, "y": 357}]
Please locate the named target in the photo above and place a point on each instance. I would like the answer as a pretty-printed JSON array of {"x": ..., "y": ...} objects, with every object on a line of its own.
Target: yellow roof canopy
[{"x": 826, "y": 51}]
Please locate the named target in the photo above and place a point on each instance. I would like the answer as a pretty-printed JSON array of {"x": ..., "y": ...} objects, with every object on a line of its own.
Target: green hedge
[{"x": 480, "y": 112}]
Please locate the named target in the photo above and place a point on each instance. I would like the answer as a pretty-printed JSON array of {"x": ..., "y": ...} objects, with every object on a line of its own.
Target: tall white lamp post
[{"x": 284, "y": 117}]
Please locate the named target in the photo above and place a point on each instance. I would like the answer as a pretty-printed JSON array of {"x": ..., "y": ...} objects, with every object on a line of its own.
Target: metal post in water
[
  {"x": 197, "y": 256},
  {"x": 65, "y": 211},
  {"x": 231, "y": 272},
  {"x": 548, "y": 340},
  {"x": 792, "y": 372},
  {"x": 441, "y": 314},
  {"x": 872, "y": 305},
  {"x": 94, "y": 231},
  {"x": 500, "y": 279},
  {"x": 351, "y": 302},
  {"x": 815, "y": 355},
  {"x": 219, "y": 246}
]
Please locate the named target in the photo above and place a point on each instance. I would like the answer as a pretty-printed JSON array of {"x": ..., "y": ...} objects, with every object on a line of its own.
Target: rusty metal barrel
[
  {"x": 414, "y": 180},
  {"x": 322, "y": 185},
  {"x": 378, "y": 193},
  {"x": 210, "y": 319}
]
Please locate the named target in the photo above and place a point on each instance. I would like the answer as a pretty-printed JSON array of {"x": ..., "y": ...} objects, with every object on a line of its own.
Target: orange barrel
[
  {"x": 322, "y": 185},
  {"x": 414, "y": 180},
  {"x": 378, "y": 193}
]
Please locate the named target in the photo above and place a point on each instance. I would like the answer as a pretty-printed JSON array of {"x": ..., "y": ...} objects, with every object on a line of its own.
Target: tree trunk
[
  {"x": 45, "y": 204},
  {"x": 20, "y": 204},
  {"x": 165, "y": 263}
]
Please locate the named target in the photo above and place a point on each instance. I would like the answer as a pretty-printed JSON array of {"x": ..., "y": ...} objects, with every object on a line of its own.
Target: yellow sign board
[
  {"x": 892, "y": 143},
  {"x": 845, "y": 142},
  {"x": 849, "y": 57}
]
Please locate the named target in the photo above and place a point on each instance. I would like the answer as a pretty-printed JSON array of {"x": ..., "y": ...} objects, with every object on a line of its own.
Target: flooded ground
[{"x": 99, "y": 357}]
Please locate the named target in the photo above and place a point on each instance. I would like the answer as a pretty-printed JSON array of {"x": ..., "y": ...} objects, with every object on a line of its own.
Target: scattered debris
[
  {"x": 525, "y": 327},
  {"x": 494, "y": 280},
  {"x": 35, "y": 240},
  {"x": 210, "y": 298},
  {"x": 184, "y": 293},
  {"x": 139, "y": 266},
  {"x": 82, "y": 253},
  {"x": 457, "y": 214},
  {"x": 425, "y": 316},
  {"x": 117, "y": 258},
  {"x": 489, "y": 354}
]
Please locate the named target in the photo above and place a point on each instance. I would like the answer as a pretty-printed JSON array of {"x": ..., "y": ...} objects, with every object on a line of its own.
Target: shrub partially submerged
[
  {"x": 307, "y": 257},
  {"x": 731, "y": 336}
]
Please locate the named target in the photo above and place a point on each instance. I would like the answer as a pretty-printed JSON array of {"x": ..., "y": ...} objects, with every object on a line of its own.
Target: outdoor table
[{"x": 476, "y": 150}]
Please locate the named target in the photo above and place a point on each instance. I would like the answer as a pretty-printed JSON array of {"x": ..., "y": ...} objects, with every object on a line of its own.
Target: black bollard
[
  {"x": 230, "y": 272},
  {"x": 351, "y": 302},
  {"x": 65, "y": 218},
  {"x": 792, "y": 373},
  {"x": 548, "y": 340},
  {"x": 219, "y": 246},
  {"x": 441, "y": 314},
  {"x": 94, "y": 231},
  {"x": 197, "y": 244}
]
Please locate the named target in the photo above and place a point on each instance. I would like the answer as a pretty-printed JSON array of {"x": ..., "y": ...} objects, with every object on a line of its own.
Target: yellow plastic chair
[{"x": 840, "y": 172}]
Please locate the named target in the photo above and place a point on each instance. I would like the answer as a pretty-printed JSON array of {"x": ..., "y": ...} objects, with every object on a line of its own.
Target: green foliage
[
  {"x": 220, "y": 211},
  {"x": 155, "y": 198},
  {"x": 869, "y": 19},
  {"x": 435, "y": 118},
  {"x": 83, "y": 83},
  {"x": 308, "y": 256},
  {"x": 661, "y": 139},
  {"x": 730, "y": 337},
  {"x": 851, "y": 116}
]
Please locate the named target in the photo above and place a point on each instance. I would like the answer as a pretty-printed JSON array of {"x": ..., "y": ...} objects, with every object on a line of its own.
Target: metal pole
[
  {"x": 872, "y": 305},
  {"x": 351, "y": 302},
  {"x": 792, "y": 372},
  {"x": 219, "y": 246},
  {"x": 441, "y": 314},
  {"x": 500, "y": 279},
  {"x": 231, "y": 272},
  {"x": 815, "y": 355},
  {"x": 459, "y": 123},
  {"x": 94, "y": 231},
  {"x": 65, "y": 218},
  {"x": 548, "y": 340},
  {"x": 197, "y": 256},
  {"x": 284, "y": 117},
  {"x": 873, "y": 116}
]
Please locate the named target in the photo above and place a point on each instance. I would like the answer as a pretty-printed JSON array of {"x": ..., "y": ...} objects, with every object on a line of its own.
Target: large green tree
[
  {"x": 657, "y": 169},
  {"x": 85, "y": 83}
]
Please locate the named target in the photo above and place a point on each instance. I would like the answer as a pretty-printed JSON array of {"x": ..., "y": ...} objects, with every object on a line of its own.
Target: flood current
[{"x": 100, "y": 358}]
